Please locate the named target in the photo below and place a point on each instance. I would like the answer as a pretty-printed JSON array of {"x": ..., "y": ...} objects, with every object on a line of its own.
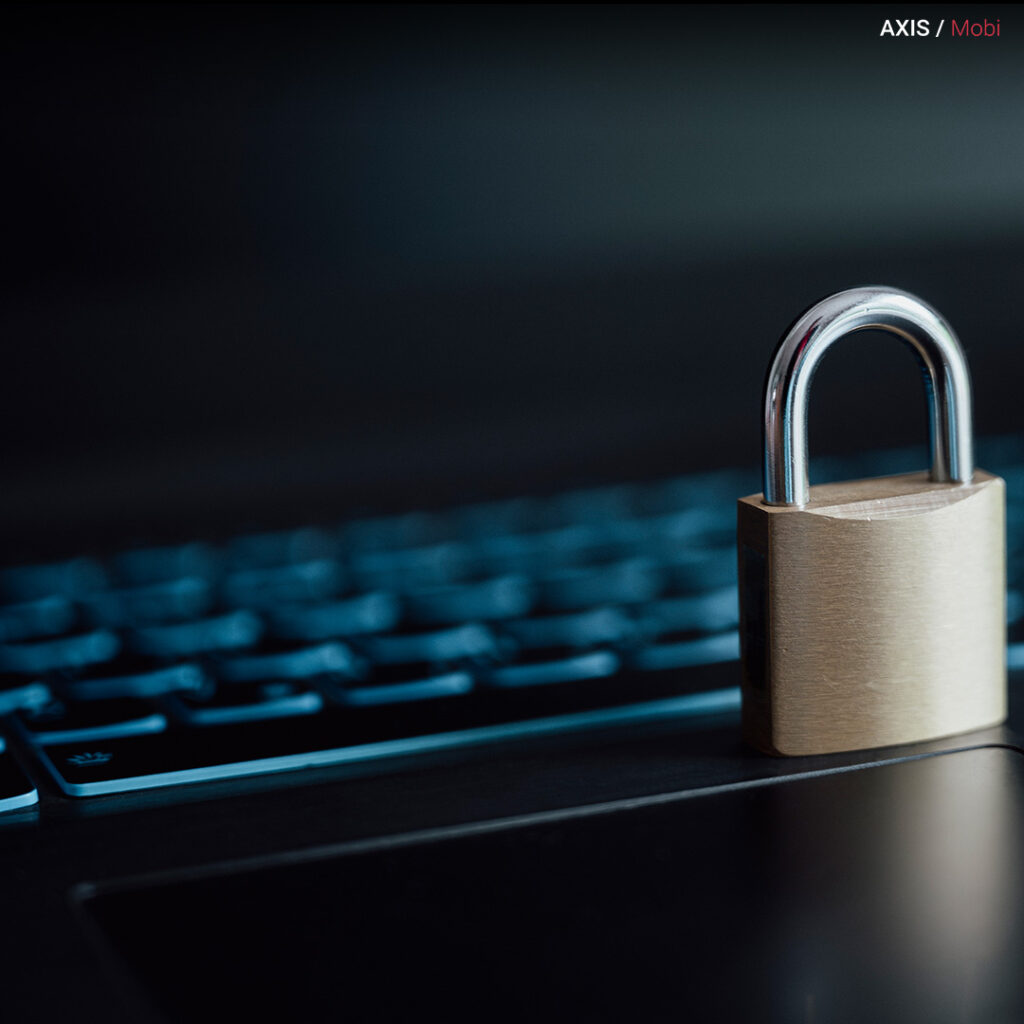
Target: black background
[{"x": 268, "y": 262}]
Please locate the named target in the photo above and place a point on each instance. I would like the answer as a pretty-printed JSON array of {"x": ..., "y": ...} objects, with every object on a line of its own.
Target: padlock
[{"x": 872, "y": 612}]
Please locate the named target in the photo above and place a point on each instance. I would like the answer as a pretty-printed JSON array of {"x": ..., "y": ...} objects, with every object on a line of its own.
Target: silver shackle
[{"x": 943, "y": 366}]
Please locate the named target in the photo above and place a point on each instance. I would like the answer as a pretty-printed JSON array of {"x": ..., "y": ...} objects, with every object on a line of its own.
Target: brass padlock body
[{"x": 874, "y": 614}]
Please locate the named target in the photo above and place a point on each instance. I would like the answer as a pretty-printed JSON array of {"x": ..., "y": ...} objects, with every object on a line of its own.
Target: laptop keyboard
[{"x": 395, "y": 635}]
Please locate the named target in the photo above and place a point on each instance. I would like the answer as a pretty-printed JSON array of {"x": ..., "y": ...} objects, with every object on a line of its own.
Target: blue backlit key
[
  {"x": 376, "y": 612},
  {"x": 167, "y": 600},
  {"x": 707, "y": 650},
  {"x": 696, "y": 570},
  {"x": 245, "y": 702},
  {"x": 264, "y": 587},
  {"x": 663, "y": 537},
  {"x": 64, "y": 652},
  {"x": 541, "y": 552},
  {"x": 572, "y": 668},
  {"x": 1014, "y": 606},
  {"x": 16, "y": 792},
  {"x": 410, "y": 568},
  {"x": 423, "y": 687},
  {"x": 144, "y": 682},
  {"x": 43, "y": 617},
  {"x": 61, "y": 722},
  {"x": 710, "y": 612},
  {"x": 580, "y": 630},
  {"x": 327, "y": 659},
  {"x": 504, "y": 597},
  {"x": 461, "y": 643},
  {"x": 628, "y": 582},
  {"x": 398, "y": 683},
  {"x": 22, "y": 691},
  {"x": 561, "y": 649},
  {"x": 232, "y": 631}
]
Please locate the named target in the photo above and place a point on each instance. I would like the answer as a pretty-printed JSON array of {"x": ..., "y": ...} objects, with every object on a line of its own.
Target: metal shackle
[{"x": 944, "y": 368}]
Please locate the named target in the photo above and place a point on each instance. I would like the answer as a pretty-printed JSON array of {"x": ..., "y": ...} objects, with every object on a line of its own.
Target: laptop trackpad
[{"x": 891, "y": 893}]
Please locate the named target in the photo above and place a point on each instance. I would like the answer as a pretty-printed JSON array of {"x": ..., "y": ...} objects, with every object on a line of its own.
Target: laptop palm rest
[{"x": 890, "y": 893}]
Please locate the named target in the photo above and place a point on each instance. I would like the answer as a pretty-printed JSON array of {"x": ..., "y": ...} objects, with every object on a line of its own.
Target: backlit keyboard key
[
  {"x": 579, "y": 630},
  {"x": 151, "y": 602},
  {"x": 432, "y": 687},
  {"x": 628, "y": 582},
  {"x": 572, "y": 669},
  {"x": 687, "y": 653},
  {"x": 410, "y": 568},
  {"x": 246, "y": 702},
  {"x": 710, "y": 612},
  {"x": 692, "y": 529},
  {"x": 46, "y": 616},
  {"x": 698, "y": 570},
  {"x": 329, "y": 659},
  {"x": 376, "y": 612},
  {"x": 263, "y": 588},
  {"x": 469, "y": 642},
  {"x": 62, "y": 722},
  {"x": 16, "y": 791},
  {"x": 505, "y": 597},
  {"x": 19, "y": 691},
  {"x": 60, "y": 653},
  {"x": 171, "y": 679},
  {"x": 535, "y": 554},
  {"x": 233, "y": 631}
]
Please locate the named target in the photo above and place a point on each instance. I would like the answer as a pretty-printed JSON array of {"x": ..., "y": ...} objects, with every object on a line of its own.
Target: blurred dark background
[{"x": 283, "y": 261}]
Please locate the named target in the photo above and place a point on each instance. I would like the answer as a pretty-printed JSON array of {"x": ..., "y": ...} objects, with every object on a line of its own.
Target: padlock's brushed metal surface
[{"x": 873, "y": 615}]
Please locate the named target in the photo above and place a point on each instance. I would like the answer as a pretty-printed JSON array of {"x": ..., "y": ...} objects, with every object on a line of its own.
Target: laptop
[{"x": 379, "y": 387}]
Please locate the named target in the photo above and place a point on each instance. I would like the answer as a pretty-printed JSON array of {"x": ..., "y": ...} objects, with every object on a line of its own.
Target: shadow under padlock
[{"x": 872, "y": 611}]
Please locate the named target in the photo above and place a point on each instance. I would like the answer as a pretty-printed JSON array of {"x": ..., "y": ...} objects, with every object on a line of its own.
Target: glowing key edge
[{"x": 19, "y": 800}]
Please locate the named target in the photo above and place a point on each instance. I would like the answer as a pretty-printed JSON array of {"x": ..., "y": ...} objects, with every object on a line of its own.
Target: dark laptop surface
[
  {"x": 378, "y": 387},
  {"x": 890, "y": 893}
]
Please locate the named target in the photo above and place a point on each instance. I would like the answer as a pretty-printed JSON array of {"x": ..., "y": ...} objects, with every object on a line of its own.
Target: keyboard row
[
  {"x": 302, "y": 602},
  {"x": 325, "y": 735},
  {"x": 345, "y": 735},
  {"x": 225, "y": 654}
]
